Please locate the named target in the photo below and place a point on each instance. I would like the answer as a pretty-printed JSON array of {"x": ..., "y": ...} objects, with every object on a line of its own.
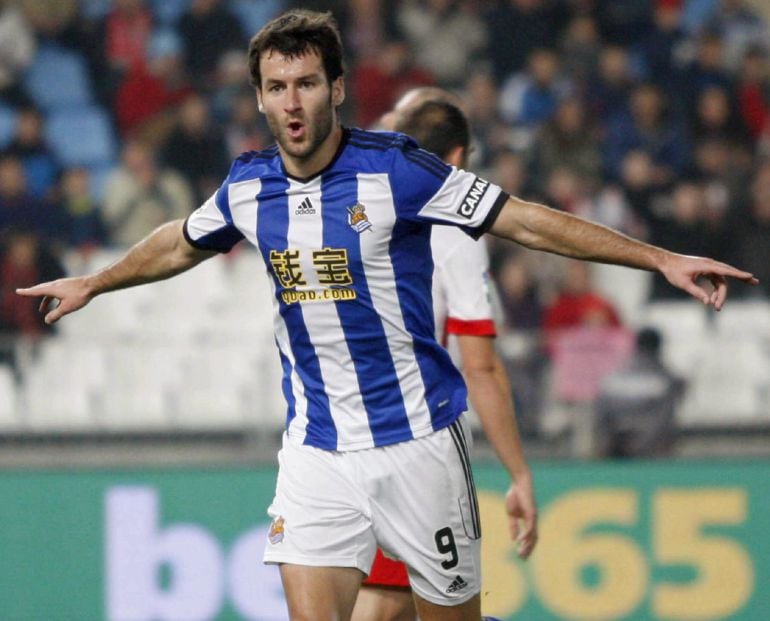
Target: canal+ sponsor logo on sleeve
[{"x": 472, "y": 199}]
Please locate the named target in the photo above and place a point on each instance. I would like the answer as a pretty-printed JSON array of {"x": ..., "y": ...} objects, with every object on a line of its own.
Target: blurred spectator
[
  {"x": 381, "y": 78},
  {"x": 716, "y": 118},
  {"x": 196, "y": 149},
  {"x": 706, "y": 69},
  {"x": 659, "y": 48},
  {"x": 208, "y": 31},
  {"x": 580, "y": 48},
  {"x": 578, "y": 303},
  {"x": 636, "y": 405},
  {"x": 81, "y": 211},
  {"x": 623, "y": 22},
  {"x": 518, "y": 27},
  {"x": 148, "y": 97},
  {"x": 531, "y": 97},
  {"x": 24, "y": 261},
  {"x": 245, "y": 130},
  {"x": 127, "y": 32},
  {"x": 17, "y": 48},
  {"x": 569, "y": 140},
  {"x": 230, "y": 81},
  {"x": 446, "y": 36},
  {"x": 741, "y": 28},
  {"x": 678, "y": 225},
  {"x": 54, "y": 21},
  {"x": 41, "y": 168},
  {"x": 724, "y": 173},
  {"x": 755, "y": 232},
  {"x": 140, "y": 196},
  {"x": 651, "y": 127},
  {"x": 754, "y": 91},
  {"x": 609, "y": 90},
  {"x": 19, "y": 209},
  {"x": 489, "y": 134},
  {"x": 518, "y": 295}
]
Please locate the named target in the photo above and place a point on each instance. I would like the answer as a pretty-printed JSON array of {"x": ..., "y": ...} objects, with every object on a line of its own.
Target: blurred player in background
[
  {"x": 463, "y": 312},
  {"x": 375, "y": 449}
]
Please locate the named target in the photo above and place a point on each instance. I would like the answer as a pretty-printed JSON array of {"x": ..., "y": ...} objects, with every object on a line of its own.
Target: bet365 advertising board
[{"x": 640, "y": 541}]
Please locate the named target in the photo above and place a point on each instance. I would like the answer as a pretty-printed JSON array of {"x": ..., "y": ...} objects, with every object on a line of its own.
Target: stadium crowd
[{"x": 650, "y": 116}]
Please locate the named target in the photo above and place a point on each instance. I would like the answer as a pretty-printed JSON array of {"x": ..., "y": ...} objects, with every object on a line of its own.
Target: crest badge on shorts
[{"x": 275, "y": 535}]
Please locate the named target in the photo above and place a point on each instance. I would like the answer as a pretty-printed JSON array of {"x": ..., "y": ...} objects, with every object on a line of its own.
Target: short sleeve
[
  {"x": 463, "y": 275},
  {"x": 210, "y": 227},
  {"x": 428, "y": 190}
]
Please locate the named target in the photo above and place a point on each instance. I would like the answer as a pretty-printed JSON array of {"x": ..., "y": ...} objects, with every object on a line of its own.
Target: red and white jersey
[{"x": 462, "y": 289}]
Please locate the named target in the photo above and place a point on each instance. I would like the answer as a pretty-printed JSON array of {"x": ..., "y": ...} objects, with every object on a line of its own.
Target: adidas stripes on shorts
[{"x": 414, "y": 499}]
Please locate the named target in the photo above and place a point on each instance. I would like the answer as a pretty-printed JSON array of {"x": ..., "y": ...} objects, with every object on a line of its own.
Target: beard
[{"x": 318, "y": 126}]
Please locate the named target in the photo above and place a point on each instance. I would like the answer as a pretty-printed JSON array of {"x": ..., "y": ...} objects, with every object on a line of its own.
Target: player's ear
[
  {"x": 338, "y": 91},
  {"x": 260, "y": 107},
  {"x": 456, "y": 156}
]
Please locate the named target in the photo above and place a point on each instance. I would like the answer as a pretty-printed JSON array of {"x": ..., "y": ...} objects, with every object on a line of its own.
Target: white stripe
[
  {"x": 299, "y": 423},
  {"x": 375, "y": 194},
  {"x": 242, "y": 197},
  {"x": 323, "y": 324},
  {"x": 462, "y": 191}
]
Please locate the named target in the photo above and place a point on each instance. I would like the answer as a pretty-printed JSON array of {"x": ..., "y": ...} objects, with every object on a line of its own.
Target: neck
[{"x": 304, "y": 167}]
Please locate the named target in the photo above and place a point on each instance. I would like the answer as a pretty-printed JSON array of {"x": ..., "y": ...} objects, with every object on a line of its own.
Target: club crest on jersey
[
  {"x": 357, "y": 218},
  {"x": 275, "y": 535},
  {"x": 473, "y": 198}
]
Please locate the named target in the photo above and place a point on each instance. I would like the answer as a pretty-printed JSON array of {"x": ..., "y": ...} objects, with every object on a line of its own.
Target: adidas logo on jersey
[
  {"x": 457, "y": 584},
  {"x": 305, "y": 208}
]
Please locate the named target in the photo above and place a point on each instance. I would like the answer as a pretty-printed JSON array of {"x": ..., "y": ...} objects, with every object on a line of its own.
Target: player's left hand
[
  {"x": 522, "y": 511},
  {"x": 684, "y": 272}
]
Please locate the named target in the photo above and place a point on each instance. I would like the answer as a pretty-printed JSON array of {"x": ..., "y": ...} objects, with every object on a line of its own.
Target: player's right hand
[{"x": 60, "y": 297}]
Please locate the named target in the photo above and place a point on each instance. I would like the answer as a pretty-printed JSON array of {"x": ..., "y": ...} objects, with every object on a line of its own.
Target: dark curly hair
[{"x": 294, "y": 34}]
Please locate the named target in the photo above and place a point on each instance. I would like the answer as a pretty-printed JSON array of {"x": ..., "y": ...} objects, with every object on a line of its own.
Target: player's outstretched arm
[
  {"x": 542, "y": 228},
  {"x": 160, "y": 255},
  {"x": 490, "y": 394}
]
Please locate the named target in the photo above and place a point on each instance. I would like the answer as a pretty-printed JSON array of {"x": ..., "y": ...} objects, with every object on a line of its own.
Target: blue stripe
[
  {"x": 222, "y": 201},
  {"x": 361, "y": 325},
  {"x": 221, "y": 240},
  {"x": 412, "y": 261},
  {"x": 272, "y": 234},
  {"x": 288, "y": 393}
]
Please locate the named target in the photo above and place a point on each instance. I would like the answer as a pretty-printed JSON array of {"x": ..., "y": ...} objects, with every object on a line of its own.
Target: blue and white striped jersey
[{"x": 348, "y": 254}]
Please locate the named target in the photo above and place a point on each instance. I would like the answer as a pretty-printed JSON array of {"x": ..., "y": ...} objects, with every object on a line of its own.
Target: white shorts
[{"x": 416, "y": 500}]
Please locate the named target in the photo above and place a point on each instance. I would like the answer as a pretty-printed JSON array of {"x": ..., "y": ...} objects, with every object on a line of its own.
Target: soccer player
[
  {"x": 462, "y": 309},
  {"x": 374, "y": 451}
]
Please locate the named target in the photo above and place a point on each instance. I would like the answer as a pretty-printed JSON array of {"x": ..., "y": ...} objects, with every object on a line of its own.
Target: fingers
[
  {"x": 528, "y": 537},
  {"x": 31, "y": 292}
]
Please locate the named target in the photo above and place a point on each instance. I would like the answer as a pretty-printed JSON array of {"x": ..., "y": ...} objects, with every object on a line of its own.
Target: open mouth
[{"x": 296, "y": 129}]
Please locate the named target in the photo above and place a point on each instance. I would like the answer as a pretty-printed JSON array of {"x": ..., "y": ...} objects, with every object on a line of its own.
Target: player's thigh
[
  {"x": 320, "y": 593},
  {"x": 469, "y": 610},
  {"x": 384, "y": 604},
  {"x": 320, "y": 513},
  {"x": 426, "y": 514}
]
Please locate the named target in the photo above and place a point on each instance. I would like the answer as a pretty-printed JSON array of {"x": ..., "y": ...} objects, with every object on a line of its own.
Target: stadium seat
[
  {"x": 168, "y": 12},
  {"x": 730, "y": 385},
  {"x": 95, "y": 9},
  {"x": 8, "y": 406},
  {"x": 7, "y": 125},
  {"x": 58, "y": 397},
  {"x": 58, "y": 79},
  {"x": 253, "y": 14},
  {"x": 684, "y": 329},
  {"x": 81, "y": 137},
  {"x": 626, "y": 288},
  {"x": 745, "y": 317}
]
